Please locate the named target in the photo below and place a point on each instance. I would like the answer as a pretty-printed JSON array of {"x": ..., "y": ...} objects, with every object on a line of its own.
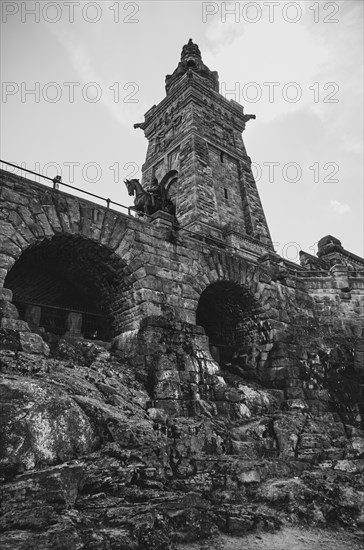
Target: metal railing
[
  {"x": 56, "y": 182},
  {"x": 54, "y": 318},
  {"x": 206, "y": 239}
]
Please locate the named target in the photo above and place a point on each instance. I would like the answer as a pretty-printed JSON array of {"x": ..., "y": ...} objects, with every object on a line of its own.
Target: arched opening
[
  {"x": 68, "y": 285},
  {"x": 229, "y": 314},
  {"x": 170, "y": 182}
]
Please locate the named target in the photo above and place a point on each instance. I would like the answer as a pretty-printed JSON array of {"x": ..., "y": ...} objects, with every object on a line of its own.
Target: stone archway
[
  {"x": 229, "y": 314},
  {"x": 70, "y": 285}
]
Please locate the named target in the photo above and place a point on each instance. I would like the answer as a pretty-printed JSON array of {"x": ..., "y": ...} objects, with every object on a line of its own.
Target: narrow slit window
[
  {"x": 226, "y": 194},
  {"x": 222, "y": 156}
]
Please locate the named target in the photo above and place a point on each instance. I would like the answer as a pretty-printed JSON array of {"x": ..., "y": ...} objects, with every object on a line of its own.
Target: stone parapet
[{"x": 332, "y": 252}]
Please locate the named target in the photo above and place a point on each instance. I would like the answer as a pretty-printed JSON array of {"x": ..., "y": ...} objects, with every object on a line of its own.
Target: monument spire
[
  {"x": 197, "y": 153},
  {"x": 191, "y": 61}
]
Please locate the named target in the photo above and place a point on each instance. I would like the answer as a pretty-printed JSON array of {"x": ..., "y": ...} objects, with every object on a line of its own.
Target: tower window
[{"x": 226, "y": 193}]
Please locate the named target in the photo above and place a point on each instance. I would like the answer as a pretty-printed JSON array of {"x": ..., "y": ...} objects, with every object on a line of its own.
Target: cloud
[
  {"x": 339, "y": 208},
  {"x": 313, "y": 56},
  {"x": 280, "y": 59},
  {"x": 81, "y": 62}
]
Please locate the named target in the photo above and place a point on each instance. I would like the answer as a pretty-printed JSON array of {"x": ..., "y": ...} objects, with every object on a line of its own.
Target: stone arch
[
  {"x": 70, "y": 284},
  {"x": 32, "y": 213},
  {"x": 231, "y": 311},
  {"x": 229, "y": 315},
  {"x": 218, "y": 265},
  {"x": 213, "y": 266}
]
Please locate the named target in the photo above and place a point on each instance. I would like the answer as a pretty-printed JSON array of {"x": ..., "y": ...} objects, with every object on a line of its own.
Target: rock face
[
  {"x": 90, "y": 459},
  {"x": 41, "y": 425}
]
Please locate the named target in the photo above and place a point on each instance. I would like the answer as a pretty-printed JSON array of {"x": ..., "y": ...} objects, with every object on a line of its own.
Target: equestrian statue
[{"x": 149, "y": 202}]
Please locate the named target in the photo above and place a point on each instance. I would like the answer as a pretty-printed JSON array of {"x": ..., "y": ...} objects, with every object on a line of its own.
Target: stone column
[
  {"x": 32, "y": 316},
  {"x": 74, "y": 325}
]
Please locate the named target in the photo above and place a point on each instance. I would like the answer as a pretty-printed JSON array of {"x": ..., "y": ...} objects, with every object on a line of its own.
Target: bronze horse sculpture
[{"x": 149, "y": 202}]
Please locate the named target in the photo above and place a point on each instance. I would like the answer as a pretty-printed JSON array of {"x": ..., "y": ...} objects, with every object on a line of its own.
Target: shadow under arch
[
  {"x": 229, "y": 314},
  {"x": 69, "y": 284}
]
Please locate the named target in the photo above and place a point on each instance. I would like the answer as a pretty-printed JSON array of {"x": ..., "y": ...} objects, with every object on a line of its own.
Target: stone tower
[{"x": 196, "y": 149}]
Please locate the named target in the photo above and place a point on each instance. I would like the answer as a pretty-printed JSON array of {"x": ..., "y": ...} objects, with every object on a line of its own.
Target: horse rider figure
[
  {"x": 148, "y": 202},
  {"x": 156, "y": 193},
  {"x": 160, "y": 197}
]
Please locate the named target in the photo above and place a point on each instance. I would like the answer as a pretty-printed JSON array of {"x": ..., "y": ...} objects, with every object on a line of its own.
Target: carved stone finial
[
  {"x": 190, "y": 50},
  {"x": 191, "y": 60}
]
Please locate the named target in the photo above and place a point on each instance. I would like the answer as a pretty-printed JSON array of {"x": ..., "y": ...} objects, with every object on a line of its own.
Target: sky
[{"x": 76, "y": 76}]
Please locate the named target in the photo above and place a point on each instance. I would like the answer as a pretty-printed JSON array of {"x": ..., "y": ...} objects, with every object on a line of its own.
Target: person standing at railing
[{"x": 56, "y": 181}]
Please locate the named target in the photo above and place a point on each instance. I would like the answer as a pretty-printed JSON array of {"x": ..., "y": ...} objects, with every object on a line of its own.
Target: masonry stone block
[{"x": 6, "y": 294}]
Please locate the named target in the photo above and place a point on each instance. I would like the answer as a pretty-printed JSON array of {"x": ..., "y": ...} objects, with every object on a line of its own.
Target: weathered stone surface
[
  {"x": 15, "y": 324},
  {"x": 53, "y": 428},
  {"x": 33, "y": 343},
  {"x": 6, "y": 294},
  {"x": 7, "y": 312}
]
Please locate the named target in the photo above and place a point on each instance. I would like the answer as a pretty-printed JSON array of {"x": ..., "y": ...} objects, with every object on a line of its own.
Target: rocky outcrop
[{"x": 90, "y": 459}]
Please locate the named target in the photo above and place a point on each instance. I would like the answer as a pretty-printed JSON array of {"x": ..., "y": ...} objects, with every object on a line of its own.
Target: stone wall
[
  {"x": 145, "y": 271},
  {"x": 163, "y": 271}
]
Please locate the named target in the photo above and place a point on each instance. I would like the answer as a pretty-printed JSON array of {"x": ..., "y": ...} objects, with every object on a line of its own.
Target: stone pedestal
[{"x": 163, "y": 220}]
